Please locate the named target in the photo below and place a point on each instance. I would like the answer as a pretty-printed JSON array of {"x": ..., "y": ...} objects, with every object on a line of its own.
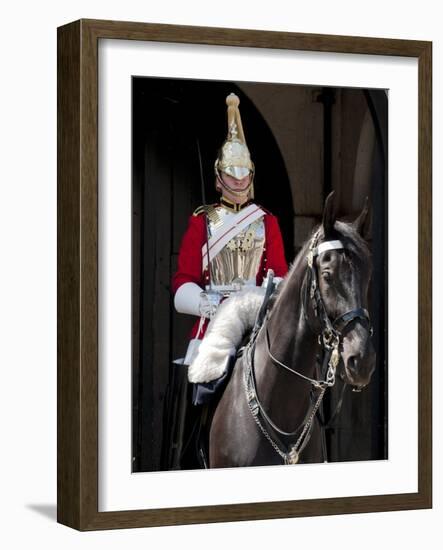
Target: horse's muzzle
[
  {"x": 358, "y": 371},
  {"x": 359, "y": 359}
]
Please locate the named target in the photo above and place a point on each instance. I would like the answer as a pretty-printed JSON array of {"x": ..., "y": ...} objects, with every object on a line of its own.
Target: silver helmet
[{"x": 234, "y": 158}]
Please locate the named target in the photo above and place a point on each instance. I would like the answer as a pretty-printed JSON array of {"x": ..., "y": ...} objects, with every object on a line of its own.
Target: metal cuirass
[{"x": 239, "y": 261}]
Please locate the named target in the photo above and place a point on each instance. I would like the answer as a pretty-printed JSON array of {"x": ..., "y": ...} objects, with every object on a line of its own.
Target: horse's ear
[
  {"x": 329, "y": 214},
  {"x": 361, "y": 222}
]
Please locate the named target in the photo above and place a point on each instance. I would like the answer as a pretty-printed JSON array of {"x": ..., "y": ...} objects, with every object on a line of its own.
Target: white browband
[{"x": 327, "y": 245}]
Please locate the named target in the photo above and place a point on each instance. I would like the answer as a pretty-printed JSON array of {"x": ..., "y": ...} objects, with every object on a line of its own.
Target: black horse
[{"x": 267, "y": 414}]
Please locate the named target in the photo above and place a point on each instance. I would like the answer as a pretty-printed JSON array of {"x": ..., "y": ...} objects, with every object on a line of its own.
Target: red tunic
[{"x": 189, "y": 268}]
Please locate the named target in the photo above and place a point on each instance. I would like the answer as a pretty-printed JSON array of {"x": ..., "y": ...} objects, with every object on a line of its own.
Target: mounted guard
[{"x": 226, "y": 251}]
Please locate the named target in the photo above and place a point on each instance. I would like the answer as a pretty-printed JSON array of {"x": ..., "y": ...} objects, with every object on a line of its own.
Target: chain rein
[{"x": 254, "y": 405}]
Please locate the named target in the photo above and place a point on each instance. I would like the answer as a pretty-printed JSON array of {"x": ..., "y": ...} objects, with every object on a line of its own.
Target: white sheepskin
[{"x": 233, "y": 318}]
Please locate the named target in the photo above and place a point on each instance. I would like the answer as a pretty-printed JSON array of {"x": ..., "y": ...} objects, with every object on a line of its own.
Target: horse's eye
[{"x": 326, "y": 275}]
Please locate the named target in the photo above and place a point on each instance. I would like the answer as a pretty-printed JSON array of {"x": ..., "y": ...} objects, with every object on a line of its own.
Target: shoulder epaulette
[
  {"x": 200, "y": 210},
  {"x": 211, "y": 211},
  {"x": 204, "y": 208},
  {"x": 265, "y": 210}
]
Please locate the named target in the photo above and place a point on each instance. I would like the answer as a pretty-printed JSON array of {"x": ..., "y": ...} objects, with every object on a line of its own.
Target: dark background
[{"x": 304, "y": 141}]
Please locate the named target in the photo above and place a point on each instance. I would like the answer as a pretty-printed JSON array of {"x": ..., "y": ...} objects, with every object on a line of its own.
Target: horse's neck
[
  {"x": 292, "y": 343},
  {"x": 291, "y": 339}
]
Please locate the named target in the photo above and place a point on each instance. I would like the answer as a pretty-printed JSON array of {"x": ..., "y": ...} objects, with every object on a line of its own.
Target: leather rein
[{"x": 330, "y": 338}]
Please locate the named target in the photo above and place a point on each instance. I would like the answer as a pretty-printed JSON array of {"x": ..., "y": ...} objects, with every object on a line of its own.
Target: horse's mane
[{"x": 295, "y": 272}]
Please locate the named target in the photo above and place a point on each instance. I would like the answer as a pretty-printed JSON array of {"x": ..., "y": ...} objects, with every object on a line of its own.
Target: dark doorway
[{"x": 169, "y": 115}]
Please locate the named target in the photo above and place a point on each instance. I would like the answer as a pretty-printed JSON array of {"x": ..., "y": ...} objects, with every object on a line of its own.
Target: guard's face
[
  {"x": 236, "y": 184},
  {"x": 235, "y": 189}
]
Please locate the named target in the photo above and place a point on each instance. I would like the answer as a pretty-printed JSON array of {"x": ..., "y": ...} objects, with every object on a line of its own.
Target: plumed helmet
[{"x": 234, "y": 158}]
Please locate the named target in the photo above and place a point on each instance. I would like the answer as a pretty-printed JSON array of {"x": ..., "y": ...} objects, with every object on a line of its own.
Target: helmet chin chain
[{"x": 234, "y": 192}]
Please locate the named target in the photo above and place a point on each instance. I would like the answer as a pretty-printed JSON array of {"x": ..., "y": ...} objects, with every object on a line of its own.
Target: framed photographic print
[{"x": 244, "y": 275}]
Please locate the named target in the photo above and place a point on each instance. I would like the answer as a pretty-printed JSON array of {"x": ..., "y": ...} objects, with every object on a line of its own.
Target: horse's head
[{"x": 339, "y": 284}]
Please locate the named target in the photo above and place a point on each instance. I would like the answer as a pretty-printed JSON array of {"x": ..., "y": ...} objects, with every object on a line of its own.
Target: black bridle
[
  {"x": 330, "y": 337},
  {"x": 330, "y": 330}
]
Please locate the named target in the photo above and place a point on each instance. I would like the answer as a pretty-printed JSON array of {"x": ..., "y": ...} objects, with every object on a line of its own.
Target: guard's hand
[
  {"x": 209, "y": 302},
  {"x": 270, "y": 276}
]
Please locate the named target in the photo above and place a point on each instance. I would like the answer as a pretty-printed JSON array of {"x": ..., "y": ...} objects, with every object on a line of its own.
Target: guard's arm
[
  {"x": 189, "y": 265},
  {"x": 275, "y": 252},
  {"x": 187, "y": 283}
]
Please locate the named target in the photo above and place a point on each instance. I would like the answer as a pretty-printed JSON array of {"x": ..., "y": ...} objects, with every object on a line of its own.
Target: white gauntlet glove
[{"x": 191, "y": 299}]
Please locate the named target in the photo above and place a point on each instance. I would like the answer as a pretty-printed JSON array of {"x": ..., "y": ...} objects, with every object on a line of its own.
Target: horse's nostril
[{"x": 359, "y": 370}]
